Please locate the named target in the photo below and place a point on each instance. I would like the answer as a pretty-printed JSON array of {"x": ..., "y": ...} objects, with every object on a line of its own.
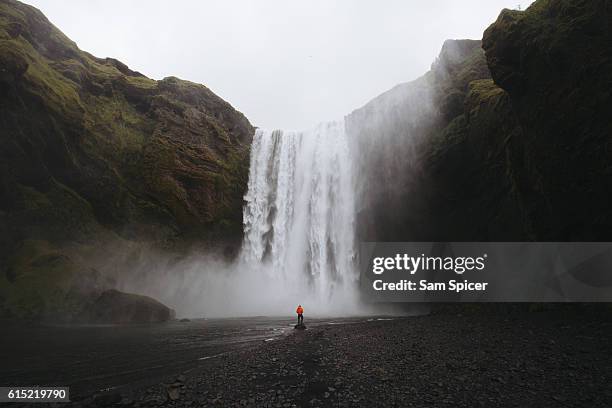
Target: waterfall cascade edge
[{"x": 299, "y": 216}]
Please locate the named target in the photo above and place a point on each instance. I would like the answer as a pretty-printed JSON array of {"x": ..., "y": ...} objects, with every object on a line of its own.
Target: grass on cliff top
[
  {"x": 142, "y": 82},
  {"x": 539, "y": 17},
  {"x": 54, "y": 90},
  {"x": 57, "y": 82}
]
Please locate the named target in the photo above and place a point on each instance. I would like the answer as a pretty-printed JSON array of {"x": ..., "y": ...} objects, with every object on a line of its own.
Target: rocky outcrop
[{"x": 93, "y": 152}]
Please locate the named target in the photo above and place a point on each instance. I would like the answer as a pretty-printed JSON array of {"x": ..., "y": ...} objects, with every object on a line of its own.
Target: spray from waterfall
[
  {"x": 299, "y": 216},
  {"x": 299, "y": 243}
]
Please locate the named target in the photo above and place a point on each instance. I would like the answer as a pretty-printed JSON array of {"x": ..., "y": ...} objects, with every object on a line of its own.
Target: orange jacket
[{"x": 299, "y": 310}]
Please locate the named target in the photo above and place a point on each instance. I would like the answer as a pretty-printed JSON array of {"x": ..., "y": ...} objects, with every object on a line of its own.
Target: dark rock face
[
  {"x": 440, "y": 143},
  {"x": 511, "y": 145},
  {"x": 555, "y": 62},
  {"x": 117, "y": 307},
  {"x": 92, "y": 152}
]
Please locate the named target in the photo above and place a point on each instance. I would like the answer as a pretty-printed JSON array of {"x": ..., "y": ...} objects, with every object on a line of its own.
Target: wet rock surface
[{"x": 519, "y": 358}]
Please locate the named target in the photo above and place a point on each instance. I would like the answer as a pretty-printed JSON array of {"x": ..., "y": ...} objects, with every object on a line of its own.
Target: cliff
[
  {"x": 93, "y": 152},
  {"x": 505, "y": 142},
  {"x": 439, "y": 144},
  {"x": 555, "y": 62}
]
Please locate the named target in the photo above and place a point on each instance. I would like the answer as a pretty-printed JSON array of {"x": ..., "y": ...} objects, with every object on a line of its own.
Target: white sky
[{"x": 283, "y": 63}]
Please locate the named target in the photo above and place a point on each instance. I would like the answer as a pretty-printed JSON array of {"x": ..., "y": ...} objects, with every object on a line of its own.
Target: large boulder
[{"x": 113, "y": 306}]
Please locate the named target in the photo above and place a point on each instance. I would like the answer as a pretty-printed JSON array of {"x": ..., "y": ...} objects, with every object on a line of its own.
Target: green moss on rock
[
  {"x": 555, "y": 62},
  {"x": 119, "y": 140},
  {"x": 94, "y": 151}
]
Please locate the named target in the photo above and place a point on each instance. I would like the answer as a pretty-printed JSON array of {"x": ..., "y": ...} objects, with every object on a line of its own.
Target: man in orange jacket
[{"x": 300, "y": 311}]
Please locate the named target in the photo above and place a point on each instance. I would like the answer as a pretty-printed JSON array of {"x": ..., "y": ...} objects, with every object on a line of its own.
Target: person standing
[{"x": 300, "y": 313}]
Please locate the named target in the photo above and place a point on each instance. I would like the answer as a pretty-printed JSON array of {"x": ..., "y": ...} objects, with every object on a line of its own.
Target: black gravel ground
[{"x": 509, "y": 358}]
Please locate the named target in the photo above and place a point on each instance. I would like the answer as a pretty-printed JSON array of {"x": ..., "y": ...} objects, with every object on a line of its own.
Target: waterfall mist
[{"x": 298, "y": 246}]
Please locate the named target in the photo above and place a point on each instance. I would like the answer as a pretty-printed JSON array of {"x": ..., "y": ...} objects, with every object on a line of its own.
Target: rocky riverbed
[{"x": 515, "y": 357}]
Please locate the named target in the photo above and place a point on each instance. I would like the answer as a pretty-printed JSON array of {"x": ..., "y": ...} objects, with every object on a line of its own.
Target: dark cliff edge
[
  {"x": 96, "y": 157},
  {"x": 505, "y": 142}
]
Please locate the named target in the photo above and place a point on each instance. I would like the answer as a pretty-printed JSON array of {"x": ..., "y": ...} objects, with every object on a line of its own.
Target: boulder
[{"x": 113, "y": 306}]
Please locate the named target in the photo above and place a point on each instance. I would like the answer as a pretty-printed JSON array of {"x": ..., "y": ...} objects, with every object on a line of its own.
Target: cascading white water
[{"x": 299, "y": 215}]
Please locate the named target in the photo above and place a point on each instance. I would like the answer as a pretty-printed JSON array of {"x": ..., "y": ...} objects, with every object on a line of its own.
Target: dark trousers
[{"x": 300, "y": 318}]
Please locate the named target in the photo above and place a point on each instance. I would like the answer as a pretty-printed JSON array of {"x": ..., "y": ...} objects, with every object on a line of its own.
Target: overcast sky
[{"x": 283, "y": 63}]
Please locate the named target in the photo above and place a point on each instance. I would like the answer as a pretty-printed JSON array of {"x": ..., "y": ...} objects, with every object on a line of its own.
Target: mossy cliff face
[
  {"x": 149, "y": 159},
  {"x": 91, "y": 152},
  {"x": 555, "y": 62},
  {"x": 512, "y": 143}
]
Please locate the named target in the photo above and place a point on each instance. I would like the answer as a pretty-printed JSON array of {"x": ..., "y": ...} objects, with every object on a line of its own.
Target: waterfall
[{"x": 299, "y": 215}]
